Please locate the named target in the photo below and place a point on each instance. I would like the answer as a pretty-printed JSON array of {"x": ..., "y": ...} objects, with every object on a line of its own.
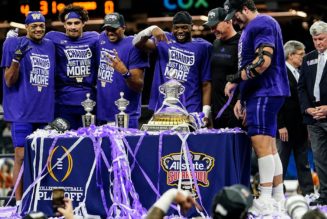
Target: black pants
[
  {"x": 318, "y": 137},
  {"x": 300, "y": 151}
]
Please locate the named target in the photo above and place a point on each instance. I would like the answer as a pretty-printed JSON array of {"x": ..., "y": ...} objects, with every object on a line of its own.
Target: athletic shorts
[
  {"x": 20, "y": 130},
  {"x": 261, "y": 115}
]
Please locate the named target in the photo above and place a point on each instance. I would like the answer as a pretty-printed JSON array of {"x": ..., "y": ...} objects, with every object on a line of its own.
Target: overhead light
[
  {"x": 170, "y": 18},
  {"x": 159, "y": 19},
  {"x": 197, "y": 27},
  {"x": 301, "y": 14},
  {"x": 290, "y": 13},
  {"x": 89, "y": 22},
  {"x": 204, "y": 18},
  {"x": 12, "y": 24}
]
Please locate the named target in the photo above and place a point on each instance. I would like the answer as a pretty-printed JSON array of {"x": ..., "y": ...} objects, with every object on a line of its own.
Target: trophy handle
[
  {"x": 181, "y": 90},
  {"x": 162, "y": 89}
]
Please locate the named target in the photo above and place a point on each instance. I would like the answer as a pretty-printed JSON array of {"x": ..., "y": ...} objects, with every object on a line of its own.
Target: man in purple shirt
[
  {"x": 179, "y": 57},
  {"x": 263, "y": 84},
  {"x": 121, "y": 69},
  {"x": 28, "y": 71},
  {"x": 76, "y": 68}
]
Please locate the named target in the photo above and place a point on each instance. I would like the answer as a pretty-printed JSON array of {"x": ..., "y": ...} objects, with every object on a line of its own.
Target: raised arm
[
  {"x": 183, "y": 198},
  {"x": 133, "y": 77},
  {"x": 12, "y": 73},
  {"x": 142, "y": 39}
]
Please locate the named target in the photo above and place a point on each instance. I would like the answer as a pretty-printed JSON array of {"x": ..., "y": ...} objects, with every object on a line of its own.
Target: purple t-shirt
[
  {"x": 76, "y": 66},
  {"x": 31, "y": 98},
  {"x": 189, "y": 63},
  {"x": 110, "y": 82},
  {"x": 263, "y": 30}
]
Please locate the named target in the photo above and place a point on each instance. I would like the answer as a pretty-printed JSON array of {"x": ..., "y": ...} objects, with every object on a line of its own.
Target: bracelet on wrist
[
  {"x": 248, "y": 73},
  {"x": 234, "y": 78},
  {"x": 127, "y": 75}
]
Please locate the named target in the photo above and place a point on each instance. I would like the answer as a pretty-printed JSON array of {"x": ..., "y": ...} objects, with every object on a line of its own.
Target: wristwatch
[{"x": 127, "y": 75}]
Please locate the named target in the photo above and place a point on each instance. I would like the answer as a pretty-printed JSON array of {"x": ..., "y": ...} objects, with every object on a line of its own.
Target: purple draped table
[{"x": 106, "y": 171}]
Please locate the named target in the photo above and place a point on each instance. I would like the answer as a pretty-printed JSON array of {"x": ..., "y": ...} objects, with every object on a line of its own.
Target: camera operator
[
  {"x": 67, "y": 212},
  {"x": 230, "y": 202},
  {"x": 314, "y": 214}
]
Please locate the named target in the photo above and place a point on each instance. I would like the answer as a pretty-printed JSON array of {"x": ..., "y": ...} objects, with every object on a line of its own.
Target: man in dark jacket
[
  {"x": 291, "y": 131},
  {"x": 312, "y": 89}
]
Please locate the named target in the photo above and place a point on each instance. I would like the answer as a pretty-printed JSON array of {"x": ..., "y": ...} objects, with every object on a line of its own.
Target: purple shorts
[
  {"x": 20, "y": 130},
  {"x": 261, "y": 115}
]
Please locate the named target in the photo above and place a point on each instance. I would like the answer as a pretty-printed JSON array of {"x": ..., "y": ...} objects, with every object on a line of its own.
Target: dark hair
[
  {"x": 74, "y": 8},
  {"x": 250, "y": 5},
  {"x": 182, "y": 17},
  {"x": 314, "y": 214}
]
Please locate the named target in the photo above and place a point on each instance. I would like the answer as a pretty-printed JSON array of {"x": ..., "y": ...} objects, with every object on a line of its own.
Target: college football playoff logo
[{"x": 64, "y": 167}]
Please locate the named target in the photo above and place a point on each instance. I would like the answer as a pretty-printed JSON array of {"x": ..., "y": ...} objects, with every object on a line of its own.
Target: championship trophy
[
  {"x": 172, "y": 89},
  {"x": 172, "y": 114},
  {"x": 88, "y": 104},
  {"x": 122, "y": 118}
]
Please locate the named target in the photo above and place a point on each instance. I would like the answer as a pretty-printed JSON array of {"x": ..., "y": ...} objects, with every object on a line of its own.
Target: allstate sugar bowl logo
[
  {"x": 176, "y": 167},
  {"x": 59, "y": 169}
]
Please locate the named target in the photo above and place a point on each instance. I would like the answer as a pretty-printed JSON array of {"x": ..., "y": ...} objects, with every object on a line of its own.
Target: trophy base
[
  {"x": 122, "y": 120},
  {"x": 152, "y": 127},
  {"x": 88, "y": 120}
]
